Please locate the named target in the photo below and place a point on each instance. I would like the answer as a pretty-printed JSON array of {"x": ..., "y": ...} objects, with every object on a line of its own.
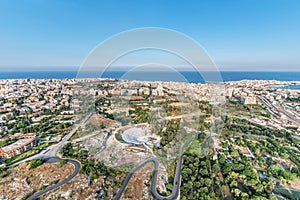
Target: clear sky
[{"x": 238, "y": 34}]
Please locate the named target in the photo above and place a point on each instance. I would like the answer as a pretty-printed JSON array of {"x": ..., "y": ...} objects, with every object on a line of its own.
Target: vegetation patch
[
  {"x": 194, "y": 147},
  {"x": 36, "y": 163}
]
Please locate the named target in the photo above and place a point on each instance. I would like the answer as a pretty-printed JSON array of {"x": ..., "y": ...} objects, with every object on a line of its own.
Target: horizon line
[{"x": 127, "y": 69}]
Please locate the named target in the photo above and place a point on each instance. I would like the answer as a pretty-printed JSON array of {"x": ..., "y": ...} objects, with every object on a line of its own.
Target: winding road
[
  {"x": 77, "y": 167},
  {"x": 51, "y": 155},
  {"x": 53, "y": 150},
  {"x": 177, "y": 178}
]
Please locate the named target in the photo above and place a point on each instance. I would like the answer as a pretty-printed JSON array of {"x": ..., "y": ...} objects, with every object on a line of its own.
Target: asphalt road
[
  {"x": 129, "y": 175},
  {"x": 77, "y": 166},
  {"x": 50, "y": 156},
  {"x": 53, "y": 150},
  {"x": 177, "y": 177}
]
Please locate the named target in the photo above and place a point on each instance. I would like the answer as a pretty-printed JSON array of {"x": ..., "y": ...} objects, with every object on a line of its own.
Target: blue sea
[
  {"x": 192, "y": 77},
  {"x": 289, "y": 87}
]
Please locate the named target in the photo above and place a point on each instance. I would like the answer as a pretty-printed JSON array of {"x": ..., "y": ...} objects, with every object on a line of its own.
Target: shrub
[{"x": 36, "y": 163}]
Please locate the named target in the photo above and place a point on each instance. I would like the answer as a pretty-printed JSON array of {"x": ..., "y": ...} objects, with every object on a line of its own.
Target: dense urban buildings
[{"x": 246, "y": 131}]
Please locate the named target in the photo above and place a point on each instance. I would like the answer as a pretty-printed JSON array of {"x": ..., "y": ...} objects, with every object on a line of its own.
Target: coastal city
[
  {"x": 149, "y": 140},
  {"x": 149, "y": 100}
]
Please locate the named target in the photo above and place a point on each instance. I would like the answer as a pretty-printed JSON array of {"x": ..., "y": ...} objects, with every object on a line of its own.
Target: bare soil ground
[
  {"x": 15, "y": 186},
  {"x": 139, "y": 185},
  {"x": 100, "y": 120},
  {"x": 79, "y": 188},
  {"x": 95, "y": 123}
]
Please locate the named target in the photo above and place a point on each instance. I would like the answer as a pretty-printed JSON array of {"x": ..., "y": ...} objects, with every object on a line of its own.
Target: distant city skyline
[{"x": 239, "y": 35}]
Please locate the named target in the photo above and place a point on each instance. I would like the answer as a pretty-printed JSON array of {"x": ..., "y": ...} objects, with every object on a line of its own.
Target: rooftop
[{"x": 17, "y": 144}]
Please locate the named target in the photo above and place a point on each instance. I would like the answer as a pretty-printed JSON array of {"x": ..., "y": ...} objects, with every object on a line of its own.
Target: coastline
[{"x": 190, "y": 76}]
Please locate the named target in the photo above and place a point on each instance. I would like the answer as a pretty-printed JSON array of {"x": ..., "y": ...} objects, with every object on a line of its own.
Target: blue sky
[{"x": 238, "y": 34}]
